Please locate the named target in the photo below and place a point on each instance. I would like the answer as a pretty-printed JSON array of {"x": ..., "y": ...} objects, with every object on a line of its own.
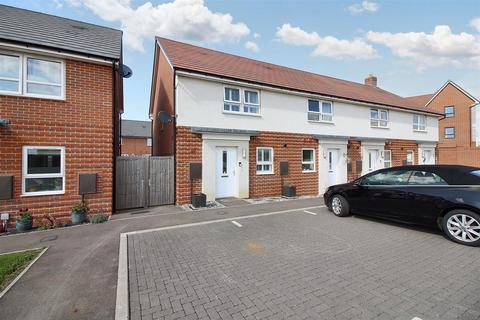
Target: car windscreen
[{"x": 476, "y": 173}]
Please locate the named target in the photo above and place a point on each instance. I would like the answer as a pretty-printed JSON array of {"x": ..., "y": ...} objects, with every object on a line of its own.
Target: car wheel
[
  {"x": 462, "y": 226},
  {"x": 339, "y": 206}
]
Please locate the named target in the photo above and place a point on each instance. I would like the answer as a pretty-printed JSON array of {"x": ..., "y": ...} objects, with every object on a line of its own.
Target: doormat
[{"x": 210, "y": 205}]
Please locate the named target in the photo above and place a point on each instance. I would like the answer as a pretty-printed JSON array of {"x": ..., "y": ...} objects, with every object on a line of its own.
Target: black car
[{"x": 447, "y": 196}]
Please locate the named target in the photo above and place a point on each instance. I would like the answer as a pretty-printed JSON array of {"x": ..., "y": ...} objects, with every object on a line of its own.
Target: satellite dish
[
  {"x": 126, "y": 71},
  {"x": 164, "y": 117}
]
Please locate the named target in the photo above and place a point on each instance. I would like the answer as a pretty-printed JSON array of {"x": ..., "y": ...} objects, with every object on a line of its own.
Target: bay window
[{"x": 43, "y": 170}]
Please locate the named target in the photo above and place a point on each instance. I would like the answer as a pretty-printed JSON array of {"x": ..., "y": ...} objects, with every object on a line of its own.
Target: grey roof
[
  {"x": 136, "y": 128},
  {"x": 44, "y": 30}
]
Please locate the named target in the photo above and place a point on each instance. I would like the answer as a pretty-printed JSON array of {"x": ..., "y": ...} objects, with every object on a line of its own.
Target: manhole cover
[{"x": 49, "y": 238}]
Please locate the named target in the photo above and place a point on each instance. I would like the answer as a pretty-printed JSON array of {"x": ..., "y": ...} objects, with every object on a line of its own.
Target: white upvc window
[
  {"x": 234, "y": 103},
  {"x": 378, "y": 118},
  {"x": 10, "y": 73},
  {"x": 264, "y": 160},
  {"x": 387, "y": 158},
  {"x": 419, "y": 122},
  {"x": 251, "y": 101},
  {"x": 308, "y": 160},
  {"x": 320, "y": 111},
  {"x": 149, "y": 142},
  {"x": 410, "y": 157},
  {"x": 32, "y": 76},
  {"x": 43, "y": 170}
]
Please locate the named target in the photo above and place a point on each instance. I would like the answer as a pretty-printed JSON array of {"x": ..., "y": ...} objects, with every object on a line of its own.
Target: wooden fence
[{"x": 144, "y": 182}]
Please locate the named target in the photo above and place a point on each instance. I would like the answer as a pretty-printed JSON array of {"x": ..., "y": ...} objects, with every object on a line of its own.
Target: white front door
[
  {"x": 332, "y": 158},
  {"x": 428, "y": 156},
  {"x": 372, "y": 160},
  {"x": 226, "y": 160}
]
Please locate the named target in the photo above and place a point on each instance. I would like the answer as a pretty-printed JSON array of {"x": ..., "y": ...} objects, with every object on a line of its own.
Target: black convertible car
[{"x": 447, "y": 196}]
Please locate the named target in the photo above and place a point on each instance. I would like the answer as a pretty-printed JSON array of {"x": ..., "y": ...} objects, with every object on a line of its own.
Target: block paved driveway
[{"x": 301, "y": 266}]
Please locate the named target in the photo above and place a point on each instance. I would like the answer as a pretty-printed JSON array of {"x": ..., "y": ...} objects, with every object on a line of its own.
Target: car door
[
  {"x": 423, "y": 197},
  {"x": 382, "y": 194}
]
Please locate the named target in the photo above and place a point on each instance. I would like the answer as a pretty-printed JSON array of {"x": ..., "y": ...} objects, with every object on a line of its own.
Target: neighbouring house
[
  {"x": 458, "y": 140},
  {"x": 248, "y": 122},
  {"x": 60, "y": 104},
  {"x": 136, "y": 138}
]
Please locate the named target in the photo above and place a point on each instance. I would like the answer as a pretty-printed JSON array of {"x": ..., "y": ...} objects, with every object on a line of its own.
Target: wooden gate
[{"x": 144, "y": 182}]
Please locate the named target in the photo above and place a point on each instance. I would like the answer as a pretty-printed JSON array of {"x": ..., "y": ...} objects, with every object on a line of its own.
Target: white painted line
[
  {"x": 312, "y": 213},
  {"x": 221, "y": 220},
  {"x": 416, "y": 318},
  {"x": 122, "y": 305},
  {"x": 23, "y": 272},
  {"x": 237, "y": 224}
]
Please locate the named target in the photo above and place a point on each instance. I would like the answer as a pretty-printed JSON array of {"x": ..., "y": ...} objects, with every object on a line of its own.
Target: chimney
[{"x": 371, "y": 80}]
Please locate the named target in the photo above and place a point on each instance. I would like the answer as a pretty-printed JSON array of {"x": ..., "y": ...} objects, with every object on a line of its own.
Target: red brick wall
[
  {"x": 399, "y": 151},
  {"x": 354, "y": 154},
  {"x": 286, "y": 146},
  {"x": 189, "y": 149},
  {"x": 83, "y": 124},
  {"x": 133, "y": 146}
]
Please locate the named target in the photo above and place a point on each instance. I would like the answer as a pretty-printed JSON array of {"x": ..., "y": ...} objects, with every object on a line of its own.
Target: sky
[{"x": 413, "y": 47}]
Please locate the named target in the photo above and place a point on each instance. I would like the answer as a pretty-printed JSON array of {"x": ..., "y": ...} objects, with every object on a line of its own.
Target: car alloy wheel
[
  {"x": 337, "y": 206},
  {"x": 464, "y": 227}
]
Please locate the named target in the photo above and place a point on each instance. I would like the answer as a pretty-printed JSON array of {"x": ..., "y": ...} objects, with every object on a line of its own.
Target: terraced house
[
  {"x": 60, "y": 104},
  {"x": 240, "y": 119}
]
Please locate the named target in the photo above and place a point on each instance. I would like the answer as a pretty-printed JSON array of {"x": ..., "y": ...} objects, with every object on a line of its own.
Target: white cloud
[
  {"x": 58, "y": 4},
  {"x": 187, "y": 20},
  {"x": 250, "y": 45},
  {"x": 326, "y": 46},
  {"x": 440, "y": 48},
  {"x": 256, "y": 35},
  {"x": 362, "y": 7},
  {"x": 476, "y": 23}
]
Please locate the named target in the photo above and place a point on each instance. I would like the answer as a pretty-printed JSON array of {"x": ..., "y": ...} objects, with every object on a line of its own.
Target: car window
[
  {"x": 426, "y": 178},
  {"x": 385, "y": 178},
  {"x": 476, "y": 173}
]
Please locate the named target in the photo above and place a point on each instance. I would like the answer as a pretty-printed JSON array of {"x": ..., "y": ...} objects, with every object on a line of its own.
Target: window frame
[
  {"x": 26, "y": 175},
  {"x": 149, "y": 142},
  {"x": 418, "y": 123},
  {"x": 320, "y": 111},
  {"x": 390, "y": 160},
  {"x": 449, "y": 115},
  {"x": 451, "y": 136},
  {"x": 241, "y": 102},
  {"x": 264, "y": 162},
  {"x": 309, "y": 162},
  {"x": 412, "y": 152},
  {"x": 23, "y": 57},
  {"x": 379, "y": 119},
  {"x": 20, "y": 74}
]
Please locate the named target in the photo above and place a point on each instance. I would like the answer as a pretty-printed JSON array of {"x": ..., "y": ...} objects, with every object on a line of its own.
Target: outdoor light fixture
[{"x": 4, "y": 122}]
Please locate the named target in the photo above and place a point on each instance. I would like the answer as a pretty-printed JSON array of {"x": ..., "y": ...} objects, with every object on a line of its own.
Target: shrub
[
  {"x": 24, "y": 214},
  {"x": 98, "y": 218},
  {"x": 80, "y": 207}
]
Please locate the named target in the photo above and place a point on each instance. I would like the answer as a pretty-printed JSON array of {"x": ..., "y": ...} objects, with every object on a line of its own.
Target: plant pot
[
  {"x": 78, "y": 217},
  {"x": 24, "y": 225},
  {"x": 199, "y": 200},
  {"x": 289, "y": 191}
]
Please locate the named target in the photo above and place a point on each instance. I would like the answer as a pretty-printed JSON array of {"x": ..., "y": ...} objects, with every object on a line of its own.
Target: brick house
[
  {"x": 60, "y": 104},
  {"x": 458, "y": 142},
  {"x": 240, "y": 118},
  {"x": 136, "y": 138}
]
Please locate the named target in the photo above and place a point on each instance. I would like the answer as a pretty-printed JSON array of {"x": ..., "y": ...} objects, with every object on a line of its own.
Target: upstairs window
[
  {"x": 10, "y": 73},
  {"x": 419, "y": 122},
  {"x": 251, "y": 102},
  {"x": 449, "y": 133},
  {"x": 449, "y": 111},
  {"x": 264, "y": 160},
  {"x": 378, "y": 118},
  {"x": 320, "y": 111},
  {"x": 232, "y": 99},
  {"x": 32, "y": 76}
]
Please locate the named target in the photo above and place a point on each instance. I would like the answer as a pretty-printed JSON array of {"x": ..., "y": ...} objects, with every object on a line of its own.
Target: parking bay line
[
  {"x": 309, "y": 212},
  {"x": 236, "y": 223}
]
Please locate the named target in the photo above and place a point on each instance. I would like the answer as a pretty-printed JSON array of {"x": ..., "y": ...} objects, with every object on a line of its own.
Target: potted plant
[
  {"x": 79, "y": 212},
  {"x": 24, "y": 220},
  {"x": 288, "y": 190}
]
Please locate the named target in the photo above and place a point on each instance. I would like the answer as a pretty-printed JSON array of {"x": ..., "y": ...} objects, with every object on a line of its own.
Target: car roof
[{"x": 452, "y": 174}]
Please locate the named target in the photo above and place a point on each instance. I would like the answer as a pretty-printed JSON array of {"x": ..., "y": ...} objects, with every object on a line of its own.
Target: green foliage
[
  {"x": 24, "y": 215},
  {"x": 98, "y": 218},
  {"x": 11, "y": 264},
  {"x": 80, "y": 207}
]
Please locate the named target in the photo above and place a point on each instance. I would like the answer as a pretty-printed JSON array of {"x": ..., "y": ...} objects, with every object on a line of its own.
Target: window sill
[
  {"x": 264, "y": 173},
  {"x": 42, "y": 194},
  {"x": 309, "y": 171},
  {"x": 242, "y": 113},
  {"x": 421, "y": 131},
  {"x": 373, "y": 127},
  {"x": 322, "y": 121},
  {"x": 35, "y": 96}
]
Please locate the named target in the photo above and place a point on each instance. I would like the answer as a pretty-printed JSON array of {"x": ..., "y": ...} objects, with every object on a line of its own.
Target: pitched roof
[
  {"x": 193, "y": 58},
  {"x": 420, "y": 100},
  {"x": 44, "y": 30},
  {"x": 136, "y": 128}
]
